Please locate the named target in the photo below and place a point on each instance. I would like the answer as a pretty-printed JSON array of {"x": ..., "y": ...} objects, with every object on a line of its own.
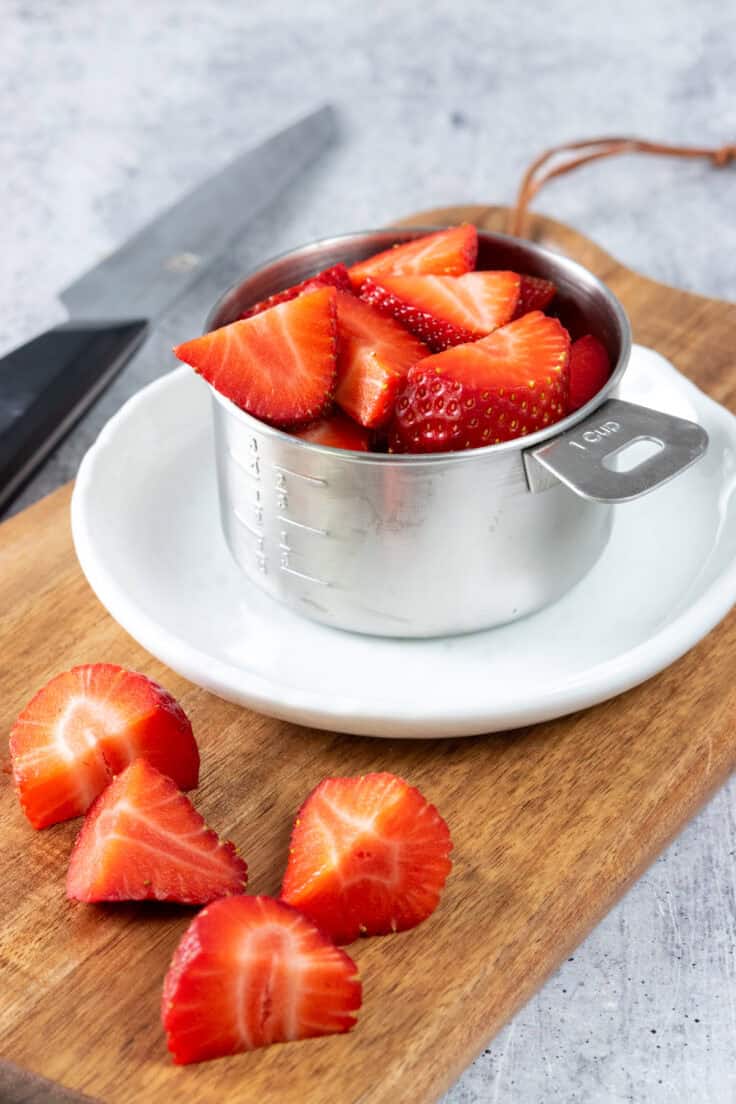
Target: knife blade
[
  {"x": 48, "y": 383},
  {"x": 149, "y": 271}
]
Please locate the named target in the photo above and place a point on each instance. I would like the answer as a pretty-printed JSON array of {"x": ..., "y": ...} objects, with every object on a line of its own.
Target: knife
[{"x": 48, "y": 383}]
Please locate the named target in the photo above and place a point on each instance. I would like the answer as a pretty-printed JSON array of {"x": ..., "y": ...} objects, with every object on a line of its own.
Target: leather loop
[{"x": 593, "y": 149}]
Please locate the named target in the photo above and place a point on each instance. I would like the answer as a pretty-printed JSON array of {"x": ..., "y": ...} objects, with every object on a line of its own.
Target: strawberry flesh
[
  {"x": 534, "y": 294},
  {"x": 446, "y": 310},
  {"x": 280, "y": 365},
  {"x": 507, "y": 385},
  {"x": 250, "y": 971},
  {"x": 443, "y": 253},
  {"x": 337, "y": 431},
  {"x": 337, "y": 276},
  {"x": 368, "y": 856},
  {"x": 143, "y": 840},
  {"x": 436, "y": 333},
  {"x": 590, "y": 368},
  {"x": 85, "y": 726},
  {"x": 374, "y": 356}
]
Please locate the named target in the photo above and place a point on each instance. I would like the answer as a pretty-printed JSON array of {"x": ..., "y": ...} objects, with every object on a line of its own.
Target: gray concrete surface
[{"x": 109, "y": 111}]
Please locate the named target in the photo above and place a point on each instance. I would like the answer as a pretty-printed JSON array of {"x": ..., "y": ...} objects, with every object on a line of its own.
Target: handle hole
[{"x": 633, "y": 454}]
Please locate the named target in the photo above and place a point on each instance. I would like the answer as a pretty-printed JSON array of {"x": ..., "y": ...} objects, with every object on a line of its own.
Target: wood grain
[{"x": 550, "y": 824}]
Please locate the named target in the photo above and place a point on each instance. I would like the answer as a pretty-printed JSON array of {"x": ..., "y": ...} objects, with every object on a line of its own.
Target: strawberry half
[
  {"x": 446, "y": 310},
  {"x": 443, "y": 253},
  {"x": 85, "y": 726},
  {"x": 534, "y": 294},
  {"x": 337, "y": 431},
  {"x": 589, "y": 370},
  {"x": 368, "y": 856},
  {"x": 374, "y": 355},
  {"x": 507, "y": 385},
  {"x": 143, "y": 840},
  {"x": 280, "y": 365},
  {"x": 337, "y": 276},
  {"x": 251, "y": 971}
]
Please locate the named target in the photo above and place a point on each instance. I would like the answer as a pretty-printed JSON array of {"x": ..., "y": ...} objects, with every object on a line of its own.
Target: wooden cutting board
[{"x": 550, "y": 824}]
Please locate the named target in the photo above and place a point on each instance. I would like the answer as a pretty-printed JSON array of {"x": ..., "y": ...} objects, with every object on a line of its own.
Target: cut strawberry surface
[
  {"x": 534, "y": 294},
  {"x": 337, "y": 276},
  {"x": 85, "y": 726},
  {"x": 436, "y": 333},
  {"x": 443, "y": 253},
  {"x": 337, "y": 431},
  {"x": 144, "y": 840},
  {"x": 251, "y": 971},
  {"x": 280, "y": 365},
  {"x": 507, "y": 385},
  {"x": 368, "y": 856},
  {"x": 446, "y": 310},
  {"x": 374, "y": 356},
  {"x": 589, "y": 370}
]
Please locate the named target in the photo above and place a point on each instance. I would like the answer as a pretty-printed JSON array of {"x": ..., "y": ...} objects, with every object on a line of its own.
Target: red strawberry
[
  {"x": 280, "y": 365},
  {"x": 339, "y": 432},
  {"x": 446, "y": 310},
  {"x": 589, "y": 370},
  {"x": 143, "y": 840},
  {"x": 368, "y": 856},
  {"x": 374, "y": 355},
  {"x": 506, "y": 385},
  {"x": 251, "y": 971},
  {"x": 444, "y": 253},
  {"x": 534, "y": 294},
  {"x": 86, "y": 725},
  {"x": 337, "y": 276}
]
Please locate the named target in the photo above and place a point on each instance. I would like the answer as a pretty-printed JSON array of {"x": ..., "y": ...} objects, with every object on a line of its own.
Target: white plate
[{"x": 147, "y": 534}]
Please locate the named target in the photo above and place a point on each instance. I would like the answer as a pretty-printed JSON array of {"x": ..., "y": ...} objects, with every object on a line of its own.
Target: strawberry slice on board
[
  {"x": 86, "y": 725},
  {"x": 507, "y": 385},
  {"x": 374, "y": 356},
  {"x": 280, "y": 365},
  {"x": 446, "y": 310},
  {"x": 590, "y": 369},
  {"x": 337, "y": 431},
  {"x": 143, "y": 840},
  {"x": 251, "y": 971},
  {"x": 368, "y": 856},
  {"x": 442, "y": 253},
  {"x": 337, "y": 276},
  {"x": 534, "y": 294}
]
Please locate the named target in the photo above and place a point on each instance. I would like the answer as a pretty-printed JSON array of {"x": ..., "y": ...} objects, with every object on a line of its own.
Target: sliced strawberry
[
  {"x": 86, "y": 725},
  {"x": 143, "y": 840},
  {"x": 589, "y": 370},
  {"x": 446, "y": 310},
  {"x": 337, "y": 431},
  {"x": 534, "y": 294},
  {"x": 375, "y": 353},
  {"x": 437, "y": 333},
  {"x": 251, "y": 971},
  {"x": 443, "y": 253},
  {"x": 280, "y": 365},
  {"x": 337, "y": 276},
  {"x": 509, "y": 384},
  {"x": 368, "y": 856}
]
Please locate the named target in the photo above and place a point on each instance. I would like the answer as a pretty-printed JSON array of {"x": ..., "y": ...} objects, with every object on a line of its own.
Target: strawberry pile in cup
[
  {"x": 409, "y": 351},
  {"x": 368, "y": 856}
]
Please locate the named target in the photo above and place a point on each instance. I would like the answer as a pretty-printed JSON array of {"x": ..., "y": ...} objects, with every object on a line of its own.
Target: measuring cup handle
[{"x": 583, "y": 458}]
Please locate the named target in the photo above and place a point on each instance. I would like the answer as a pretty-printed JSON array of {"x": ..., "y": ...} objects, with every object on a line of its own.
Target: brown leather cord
[{"x": 592, "y": 149}]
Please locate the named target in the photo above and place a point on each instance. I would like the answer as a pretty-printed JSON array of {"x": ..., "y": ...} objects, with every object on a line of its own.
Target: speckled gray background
[{"x": 110, "y": 110}]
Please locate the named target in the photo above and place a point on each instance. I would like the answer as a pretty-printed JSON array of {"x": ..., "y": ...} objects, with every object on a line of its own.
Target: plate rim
[{"x": 346, "y": 714}]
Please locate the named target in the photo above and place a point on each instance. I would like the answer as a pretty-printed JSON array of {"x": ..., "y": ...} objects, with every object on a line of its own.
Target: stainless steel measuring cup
[{"x": 448, "y": 543}]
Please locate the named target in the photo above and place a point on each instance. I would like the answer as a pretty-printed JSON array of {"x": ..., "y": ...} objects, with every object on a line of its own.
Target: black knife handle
[{"x": 48, "y": 383}]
